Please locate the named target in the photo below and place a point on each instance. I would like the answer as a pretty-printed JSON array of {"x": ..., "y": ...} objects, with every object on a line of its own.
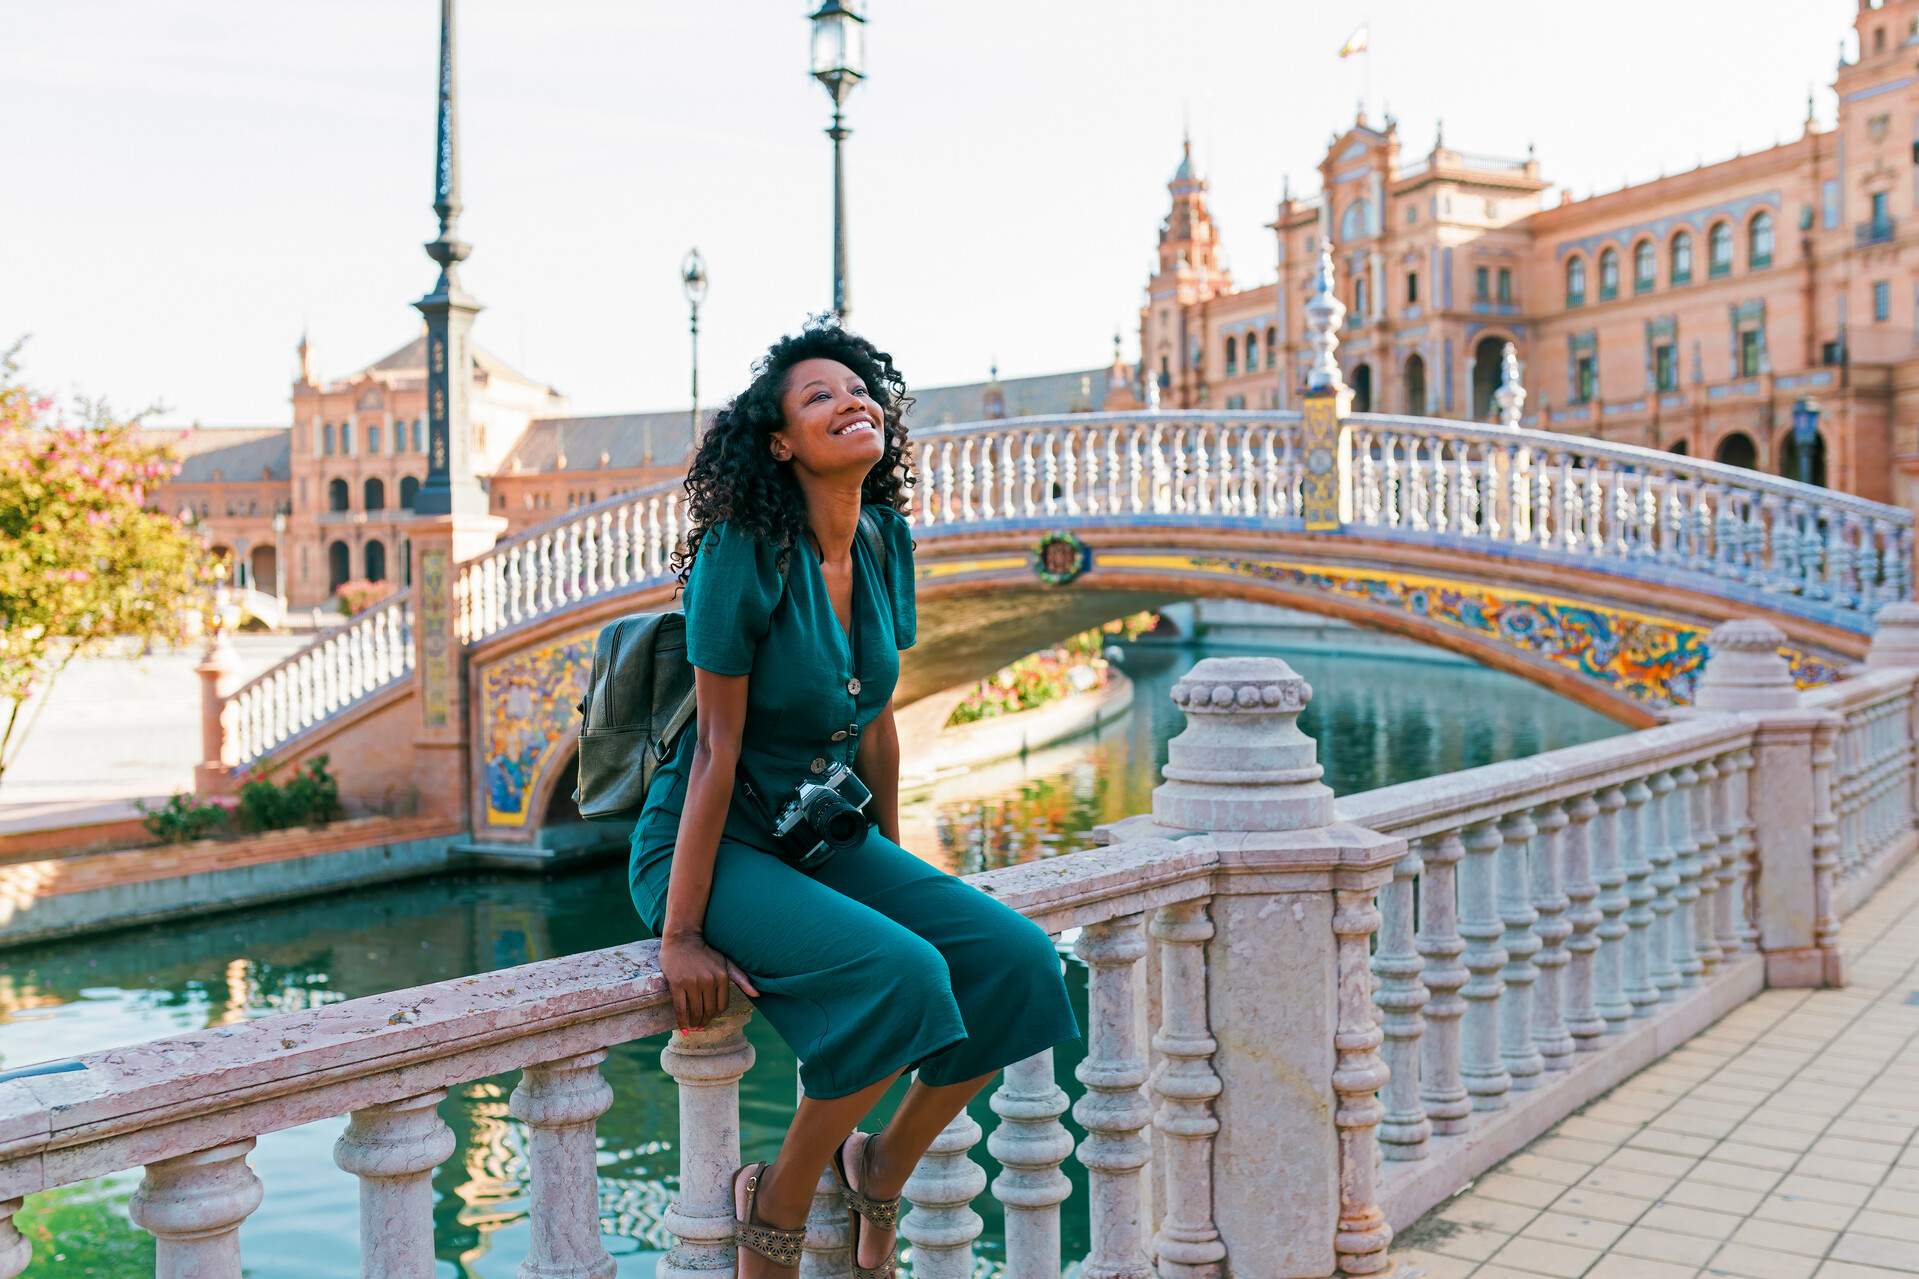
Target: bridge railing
[
  {"x": 614, "y": 544},
  {"x": 1549, "y": 926},
  {"x": 372, "y": 652},
  {"x": 1588, "y": 500}
]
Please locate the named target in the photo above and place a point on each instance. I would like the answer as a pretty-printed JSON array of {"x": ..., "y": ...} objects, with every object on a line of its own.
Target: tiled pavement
[{"x": 1777, "y": 1145}]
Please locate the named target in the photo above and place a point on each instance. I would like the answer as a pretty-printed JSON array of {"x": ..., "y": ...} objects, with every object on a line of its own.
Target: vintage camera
[{"x": 824, "y": 817}]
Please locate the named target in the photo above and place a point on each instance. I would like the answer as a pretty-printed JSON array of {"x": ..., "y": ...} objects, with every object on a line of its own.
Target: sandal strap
[
  {"x": 881, "y": 1212},
  {"x": 780, "y": 1245},
  {"x": 887, "y": 1271}
]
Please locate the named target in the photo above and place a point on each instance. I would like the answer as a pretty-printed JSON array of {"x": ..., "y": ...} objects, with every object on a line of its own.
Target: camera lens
[{"x": 835, "y": 821}]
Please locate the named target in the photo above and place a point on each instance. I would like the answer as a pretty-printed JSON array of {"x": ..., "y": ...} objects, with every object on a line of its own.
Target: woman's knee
[{"x": 913, "y": 967}]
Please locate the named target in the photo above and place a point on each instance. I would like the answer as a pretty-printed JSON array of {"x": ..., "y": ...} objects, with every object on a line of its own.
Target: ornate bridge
[{"x": 1595, "y": 568}]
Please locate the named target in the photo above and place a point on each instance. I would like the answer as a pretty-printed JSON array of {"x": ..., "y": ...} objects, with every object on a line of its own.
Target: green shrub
[
  {"x": 182, "y": 818},
  {"x": 311, "y": 797}
]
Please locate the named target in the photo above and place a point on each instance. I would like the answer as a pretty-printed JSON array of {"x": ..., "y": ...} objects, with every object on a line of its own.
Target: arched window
[
  {"x": 1412, "y": 288},
  {"x": 1644, "y": 266},
  {"x": 1415, "y": 384},
  {"x": 1232, "y": 357},
  {"x": 1719, "y": 250},
  {"x": 409, "y": 492},
  {"x": 1357, "y": 222},
  {"x": 1505, "y": 284},
  {"x": 376, "y": 561},
  {"x": 336, "y": 495},
  {"x": 1608, "y": 274},
  {"x": 1363, "y": 389},
  {"x": 1681, "y": 259},
  {"x": 1576, "y": 282},
  {"x": 375, "y": 495},
  {"x": 1252, "y": 351},
  {"x": 1272, "y": 346},
  {"x": 1737, "y": 449},
  {"x": 1759, "y": 241},
  {"x": 346, "y": 438},
  {"x": 326, "y": 439},
  {"x": 339, "y": 565}
]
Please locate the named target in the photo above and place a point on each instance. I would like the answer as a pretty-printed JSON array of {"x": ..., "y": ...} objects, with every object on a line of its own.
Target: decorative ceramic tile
[{"x": 529, "y": 717}]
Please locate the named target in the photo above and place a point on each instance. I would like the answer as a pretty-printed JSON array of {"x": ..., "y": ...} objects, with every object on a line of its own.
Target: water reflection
[{"x": 1377, "y": 720}]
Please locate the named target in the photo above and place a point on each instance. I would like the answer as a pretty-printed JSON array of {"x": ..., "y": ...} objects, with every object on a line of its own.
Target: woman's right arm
[{"x": 695, "y": 972}]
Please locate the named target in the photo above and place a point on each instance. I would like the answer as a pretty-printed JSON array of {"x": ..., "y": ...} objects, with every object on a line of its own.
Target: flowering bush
[
  {"x": 311, "y": 797},
  {"x": 1077, "y": 665},
  {"x": 81, "y": 562},
  {"x": 359, "y": 595},
  {"x": 183, "y": 818}
]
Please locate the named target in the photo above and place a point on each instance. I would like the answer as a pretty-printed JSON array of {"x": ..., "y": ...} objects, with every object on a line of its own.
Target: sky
[{"x": 193, "y": 183}]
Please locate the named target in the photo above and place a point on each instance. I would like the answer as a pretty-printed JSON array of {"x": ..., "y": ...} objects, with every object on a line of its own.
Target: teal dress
[{"x": 876, "y": 961}]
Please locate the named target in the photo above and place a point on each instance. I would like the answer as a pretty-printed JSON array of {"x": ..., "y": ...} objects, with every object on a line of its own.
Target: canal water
[{"x": 1377, "y": 719}]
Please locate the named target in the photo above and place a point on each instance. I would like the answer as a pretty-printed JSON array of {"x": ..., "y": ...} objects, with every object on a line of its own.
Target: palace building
[{"x": 1691, "y": 314}]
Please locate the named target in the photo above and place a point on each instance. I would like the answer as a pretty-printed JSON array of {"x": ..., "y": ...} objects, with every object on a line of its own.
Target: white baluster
[
  {"x": 1825, "y": 846},
  {"x": 193, "y": 1206},
  {"x": 707, "y": 1065},
  {"x": 1442, "y": 1091},
  {"x": 393, "y": 1150},
  {"x": 1583, "y": 1021},
  {"x": 1362, "y": 1236},
  {"x": 1029, "y": 476},
  {"x": 1725, "y": 817},
  {"x": 941, "y": 1224},
  {"x": 1609, "y": 967},
  {"x": 1030, "y": 1144},
  {"x": 1114, "y": 1111},
  {"x": 1485, "y": 1073},
  {"x": 1401, "y": 996},
  {"x": 968, "y": 481},
  {"x": 15, "y": 1251},
  {"x": 559, "y": 1102},
  {"x": 1664, "y": 856},
  {"x": 1069, "y": 470},
  {"x": 1544, "y": 856},
  {"x": 1008, "y": 478},
  {"x": 1188, "y": 1242},
  {"x": 1517, "y": 1049},
  {"x": 1706, "y": 835},
  {"x": 1638, "y": 836},
  {"x": 1685, "y": 945},
  {"x": 946, "y": 481}
]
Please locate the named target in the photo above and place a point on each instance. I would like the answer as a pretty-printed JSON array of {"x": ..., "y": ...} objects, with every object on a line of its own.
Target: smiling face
[{"x": 833, "y": 425}]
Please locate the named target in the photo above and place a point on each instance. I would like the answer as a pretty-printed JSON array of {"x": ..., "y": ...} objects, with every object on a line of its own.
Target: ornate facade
[{"x": 1689, "y": 313}]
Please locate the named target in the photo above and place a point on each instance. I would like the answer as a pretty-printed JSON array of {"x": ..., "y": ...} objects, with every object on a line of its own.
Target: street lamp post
[
  {"x": 839, "y": 63},
  {"x": 693, "y": 280},
  {"x": 280, "y": 558}
]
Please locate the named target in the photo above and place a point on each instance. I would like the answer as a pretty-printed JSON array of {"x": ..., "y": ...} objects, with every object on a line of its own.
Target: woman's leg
[{"x": 879, "y": 1164}]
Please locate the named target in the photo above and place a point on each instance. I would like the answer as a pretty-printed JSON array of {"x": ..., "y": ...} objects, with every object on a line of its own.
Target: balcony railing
[{"x": 1878, "y": 232}]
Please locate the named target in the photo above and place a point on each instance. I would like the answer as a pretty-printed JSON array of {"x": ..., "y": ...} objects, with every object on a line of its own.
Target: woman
[{"x": 872, "y": 963}]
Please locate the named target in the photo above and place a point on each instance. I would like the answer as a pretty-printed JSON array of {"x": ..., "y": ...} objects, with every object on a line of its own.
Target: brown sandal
[
  {"x": 880, "y": 1212},
  {"x": 778, "y": 1244}
]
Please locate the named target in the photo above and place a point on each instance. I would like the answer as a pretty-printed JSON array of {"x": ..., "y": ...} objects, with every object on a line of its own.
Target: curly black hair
[{"x": 734, "y": 476}]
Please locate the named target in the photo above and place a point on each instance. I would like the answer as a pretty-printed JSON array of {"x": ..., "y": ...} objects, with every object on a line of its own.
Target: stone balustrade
[
  {"x": 372, "y": 652},
  {"x": 622, "y": 543},
  {"x": 1308, "y": 1020}
]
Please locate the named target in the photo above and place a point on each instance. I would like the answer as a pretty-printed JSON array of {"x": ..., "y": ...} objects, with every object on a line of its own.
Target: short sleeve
[
  {"x": 897, "y": 534},
  {"x": 730, "y": 596}
]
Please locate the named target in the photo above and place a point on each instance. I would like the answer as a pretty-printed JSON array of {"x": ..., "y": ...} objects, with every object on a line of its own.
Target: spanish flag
[{"x": 1355, "y": 43}]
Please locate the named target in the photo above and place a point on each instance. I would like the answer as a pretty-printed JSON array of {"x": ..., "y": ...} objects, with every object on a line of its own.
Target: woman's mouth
[{"x": 850, "y": 427}]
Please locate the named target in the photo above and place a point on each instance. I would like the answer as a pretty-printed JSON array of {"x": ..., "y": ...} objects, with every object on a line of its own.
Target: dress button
[
  {"x": 840, "y": 736},
  {"x": 853, "y": 686},
  {"x": 818, "y": 765}
]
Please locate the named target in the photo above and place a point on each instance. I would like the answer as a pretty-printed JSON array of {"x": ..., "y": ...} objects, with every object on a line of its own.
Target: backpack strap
[{"x": 869, "y": 533}]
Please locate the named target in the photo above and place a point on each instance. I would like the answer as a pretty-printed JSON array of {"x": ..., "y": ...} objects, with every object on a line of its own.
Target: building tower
[{"x": 1188, "y": 271}]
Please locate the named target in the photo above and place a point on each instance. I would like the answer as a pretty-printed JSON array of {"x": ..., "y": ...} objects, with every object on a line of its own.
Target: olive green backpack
[{"x": 639, "y": 701}]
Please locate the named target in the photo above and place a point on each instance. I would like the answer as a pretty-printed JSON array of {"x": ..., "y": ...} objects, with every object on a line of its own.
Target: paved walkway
[{"x": 1778, "y": 1145}]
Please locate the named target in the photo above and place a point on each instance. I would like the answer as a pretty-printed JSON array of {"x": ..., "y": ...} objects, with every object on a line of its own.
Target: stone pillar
[
  {"x": 1293, "y": 904},
  {"x": 1793, "y": 898},
  {"x": 213, "y": 774},
  {"x": 707, "y": 1065},
  {"x": 15, "y": 1251},
  {"x": 440, "y": 744},
  {"x": 559, "y": 1102},
  {"x": 393, "y": 1150},
  {"x": 193, "y": 1206}
]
